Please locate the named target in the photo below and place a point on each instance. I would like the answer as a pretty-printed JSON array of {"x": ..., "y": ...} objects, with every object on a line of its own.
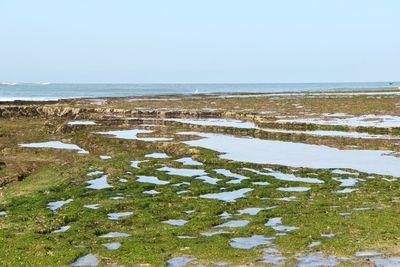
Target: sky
[{"x": 199, "y": 41}]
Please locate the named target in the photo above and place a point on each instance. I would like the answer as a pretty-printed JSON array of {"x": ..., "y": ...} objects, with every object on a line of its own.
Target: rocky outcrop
[{"x": 76, "y": 112}]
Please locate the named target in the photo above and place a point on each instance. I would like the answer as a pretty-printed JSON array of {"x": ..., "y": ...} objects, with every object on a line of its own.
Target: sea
[{"x": 55, "y": 91}]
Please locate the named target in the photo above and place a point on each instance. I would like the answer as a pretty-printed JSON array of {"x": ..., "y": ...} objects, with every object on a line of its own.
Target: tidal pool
[
  {"x": 189, "y": 161},
  {"x": 56, "y": 145},
  {"x": 114, "y": 235},
  {"x": 367, "y": 253},
  {"x": 207, "y": 179},
  {"x": 175, "y": 222},
  {"x": 151, "y": 180},
  {"x": 82, "y": 122},
  {"x": 251, "y": 125},
  {"x": 179, "y": 261},
  {"x": 288, "y": 199},
  {"x": 386, "y": 262},
  {"x": 183, "y": 172},
  {"x": 328, "y": 235},
  {"x": 112, "y": 246},
  {"x": 272, "y": 256},
  {"x": 225, "y": 215},
  {"x": 182, "y": 184},
  {"x": 157, "y": 156},
  {"x": 260, "y": 183},
  {"x": 293, "y": 178},
  {"x": 99, "y": 183},
  {"x": 217, "y": 122},
  {"x": 364, "y": 121},
  {"x": 250, "y": 242},
  {"x": 316, "y": 259},
  {"x": 92, "y": 206},
  {"x": 132, "y": 135},
  {"x": 228, "y": 173},
  {"x": 117, "y": 215},
  {"x": 228, "y": 196},
  {"x": 213, "y": 233},
  {"x": 94, "y": 173},
  {"x": 183, "y": 192},
  {"x": 135, "y": 163},
  {"x": 88, "y": 260},
  {"x": 347, "y": 182},
  {"x": 233, "y": 224},
  {"x": 254, "y": 211},
  {"x": 314, "y": 244},
  {"x": 321, "y": 133},
  {"x": 274, "y": 259},
  {"x": 151, "y": 192},
  {"x": 276, "y": 224},
  {"x": 294, "y": 189},
  {"x": 345, "y": 191},
  {"x": 297, "y": 154},
  {"x": 58, "y": 204},
  {"x": 62, "y": 229}
]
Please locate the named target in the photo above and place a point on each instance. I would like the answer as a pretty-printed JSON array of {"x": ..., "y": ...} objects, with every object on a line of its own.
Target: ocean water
[{"x": 48, "y": 91}]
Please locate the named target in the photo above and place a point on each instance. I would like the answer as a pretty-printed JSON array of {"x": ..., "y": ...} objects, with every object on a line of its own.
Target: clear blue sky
[{"x": 199, "y": 40}]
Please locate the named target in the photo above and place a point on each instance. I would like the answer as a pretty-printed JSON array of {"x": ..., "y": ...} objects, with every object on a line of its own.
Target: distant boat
[{"x": 391, "y": 83}]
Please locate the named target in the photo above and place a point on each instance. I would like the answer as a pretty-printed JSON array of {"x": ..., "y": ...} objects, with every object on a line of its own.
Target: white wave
[
  {"x": 7, "y": 83},
  {"x": 10, "y": 99}
]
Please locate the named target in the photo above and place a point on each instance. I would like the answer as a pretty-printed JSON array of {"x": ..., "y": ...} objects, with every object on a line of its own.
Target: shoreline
[{"x": 359, "y": 91}]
